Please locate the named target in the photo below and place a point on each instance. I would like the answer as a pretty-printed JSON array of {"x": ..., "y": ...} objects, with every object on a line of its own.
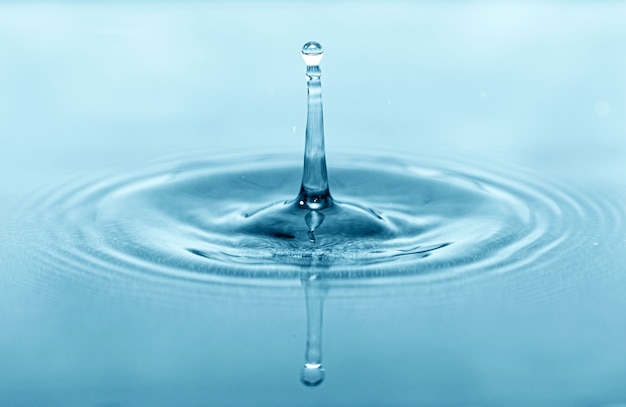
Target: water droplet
[
  {"x": 312, "y": 53},
  {"x": 314, "y": 202}
]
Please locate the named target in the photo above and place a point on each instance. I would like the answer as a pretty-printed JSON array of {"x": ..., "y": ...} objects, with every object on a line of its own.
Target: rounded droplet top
[
  {"x": 312, "y": 374},
  {"x": 312, "y": 53}
]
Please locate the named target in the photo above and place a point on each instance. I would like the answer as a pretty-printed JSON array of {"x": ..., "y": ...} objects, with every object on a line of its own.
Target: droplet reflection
[{"x": 312, "y": 374}]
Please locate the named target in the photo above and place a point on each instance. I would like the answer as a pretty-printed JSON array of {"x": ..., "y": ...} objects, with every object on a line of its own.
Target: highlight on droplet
[
  {"x": 312, "y": 53},
  {"x": 312, "y": 374}
]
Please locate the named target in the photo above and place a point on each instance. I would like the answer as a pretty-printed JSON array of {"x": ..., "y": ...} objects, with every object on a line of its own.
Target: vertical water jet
[
  {"x": 314, "y": 192},
  {"x": 311, "y": 226}
]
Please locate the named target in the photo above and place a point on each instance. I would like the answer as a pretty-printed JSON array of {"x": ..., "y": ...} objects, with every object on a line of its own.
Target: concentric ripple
[{"x": 212, "y": 219}]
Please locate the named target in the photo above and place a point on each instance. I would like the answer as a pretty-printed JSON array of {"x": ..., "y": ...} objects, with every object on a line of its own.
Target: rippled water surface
[
  {"x": 208, "y": 220},
  {"x": 144, "y": 146}
]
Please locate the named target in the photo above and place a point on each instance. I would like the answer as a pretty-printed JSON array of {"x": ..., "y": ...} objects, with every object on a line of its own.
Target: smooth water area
[{"x": 143, "y": 145}]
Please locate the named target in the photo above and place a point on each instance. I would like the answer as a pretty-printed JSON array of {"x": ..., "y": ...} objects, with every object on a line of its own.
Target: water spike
[{"x": 314, "y": 193}]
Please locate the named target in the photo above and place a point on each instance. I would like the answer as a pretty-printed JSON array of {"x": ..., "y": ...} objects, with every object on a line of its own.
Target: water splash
[
  {"x": 322, "y": 215},
  {"x": 199, "y": 220},
  {"x": 226, "y": 218},
  {"x": 429, "y": 220}
]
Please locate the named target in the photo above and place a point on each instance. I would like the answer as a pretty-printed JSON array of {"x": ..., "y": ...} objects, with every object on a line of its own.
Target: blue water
[{"x": 97, "y": 92}]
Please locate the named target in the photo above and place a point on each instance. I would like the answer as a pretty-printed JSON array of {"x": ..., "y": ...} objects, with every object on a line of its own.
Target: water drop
[
  {"x": 312, "y": 53},
  {"x": 387, "y": 216}
]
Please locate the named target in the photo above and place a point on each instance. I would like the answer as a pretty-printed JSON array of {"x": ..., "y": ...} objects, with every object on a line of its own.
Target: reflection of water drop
[{"x": 312, "y": 373}]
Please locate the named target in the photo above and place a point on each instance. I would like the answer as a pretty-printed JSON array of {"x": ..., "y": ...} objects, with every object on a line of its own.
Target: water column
[{"x": 314, "y": 192}]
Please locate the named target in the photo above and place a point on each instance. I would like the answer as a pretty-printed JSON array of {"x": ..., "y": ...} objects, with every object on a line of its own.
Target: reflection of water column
[
  {"x": 314, "y": 193},
  {"x": 312, "y": 372}
]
